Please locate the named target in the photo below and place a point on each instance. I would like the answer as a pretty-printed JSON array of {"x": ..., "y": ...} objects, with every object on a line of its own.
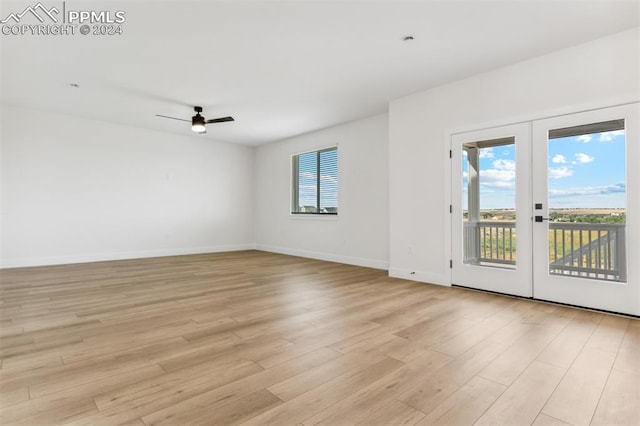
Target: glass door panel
[
  {"x": 586, "y": 183},
  {"x": 489, "y": 203},
  {"x": 585, "y": 194},
  {"x": 490, "y": 182}
]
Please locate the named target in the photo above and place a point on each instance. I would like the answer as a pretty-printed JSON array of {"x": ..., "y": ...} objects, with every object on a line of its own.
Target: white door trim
[
  {"x": 622, "y": 297},
  {"x": 634, "y": 232},
  {"x": 513, "y": 279}
]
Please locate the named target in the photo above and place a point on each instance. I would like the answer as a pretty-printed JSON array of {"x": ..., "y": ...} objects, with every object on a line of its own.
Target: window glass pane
[
  {"x": 489, "y": 200},
  {"x": 308, "y": 182},
  {"x": 329, "y": 181},
  {"x": 587, "y": 201},
  {"x": 315, "y": 182}
]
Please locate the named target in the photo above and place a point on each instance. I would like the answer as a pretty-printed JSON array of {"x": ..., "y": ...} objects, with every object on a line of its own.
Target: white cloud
[
  {"x": 498, "y": 178},
  {"x": 559, "y": 159},
  {"x": 486, "y": 153},
  {"x": 307, "y": 175},
  {"x": 609, "y": 136},
  {"x": 589, "y": 190},
  {"x": 584, "y": 138},
  {"x": 583, "y": 158},
  {"x": 560, "y": 172},
  {"x": 499, "y": 184},
  {"x": 505, "y": 165}
]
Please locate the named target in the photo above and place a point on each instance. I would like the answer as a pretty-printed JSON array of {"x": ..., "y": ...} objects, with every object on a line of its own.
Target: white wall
[
  {"x": 596, "y": 74},
  {"x": 77, "y": 190},
  {"x": 359, "y": 234}
]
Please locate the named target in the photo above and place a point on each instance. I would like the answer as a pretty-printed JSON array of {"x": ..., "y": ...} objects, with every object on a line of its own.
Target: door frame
[
  {"x": 530, "y": 117},
  {"x": 622, "y": 297},
  {"x": 517, "y": 280}
]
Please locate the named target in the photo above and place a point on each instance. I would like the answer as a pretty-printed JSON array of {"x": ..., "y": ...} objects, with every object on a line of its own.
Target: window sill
[{"x": 302, "y": 216}]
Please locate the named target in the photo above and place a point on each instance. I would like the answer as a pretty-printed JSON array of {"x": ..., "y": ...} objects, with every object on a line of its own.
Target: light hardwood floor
[{"x": 258, "y": 338}]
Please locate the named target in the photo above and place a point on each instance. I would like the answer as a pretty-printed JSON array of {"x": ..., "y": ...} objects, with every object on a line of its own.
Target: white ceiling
[{"x": 283, "y": 68}]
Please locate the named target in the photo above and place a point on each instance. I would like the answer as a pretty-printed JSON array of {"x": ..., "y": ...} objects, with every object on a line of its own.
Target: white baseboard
[
  {"x": 97, "y": 257},
  {"x": 426, "y": 277},
  {"x": 349, "y": 260}
]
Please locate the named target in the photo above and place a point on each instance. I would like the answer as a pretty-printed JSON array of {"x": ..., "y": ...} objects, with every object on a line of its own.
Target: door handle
[{"x": 541, "y": 219}]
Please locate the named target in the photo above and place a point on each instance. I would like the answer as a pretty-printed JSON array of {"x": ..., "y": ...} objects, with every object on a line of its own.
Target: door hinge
[
  {"x": 450, "y": 263},
  {"x": 450, "y": 208},
  {"x": 450, "y": 153}
]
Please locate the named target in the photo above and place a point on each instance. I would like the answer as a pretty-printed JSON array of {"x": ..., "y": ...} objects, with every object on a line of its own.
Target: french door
[
  {"x": 549, "y": 209},
  {"x": 491, "y": 204},
  {"x": 585, "y": 194}
]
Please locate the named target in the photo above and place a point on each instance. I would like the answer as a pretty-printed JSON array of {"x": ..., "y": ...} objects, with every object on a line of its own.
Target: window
[{"x": 315, "y": 182}]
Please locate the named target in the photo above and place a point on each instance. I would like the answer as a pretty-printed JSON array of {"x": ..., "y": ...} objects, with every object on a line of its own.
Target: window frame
[{"x": 294, "y": 183}]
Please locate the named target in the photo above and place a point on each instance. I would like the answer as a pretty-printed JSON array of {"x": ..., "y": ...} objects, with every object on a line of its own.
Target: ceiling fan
[{"x": 198, "y": 122}]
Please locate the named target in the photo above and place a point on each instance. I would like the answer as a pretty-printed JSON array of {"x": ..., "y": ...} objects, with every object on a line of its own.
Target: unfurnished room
[{"x": 309, "y": 212}]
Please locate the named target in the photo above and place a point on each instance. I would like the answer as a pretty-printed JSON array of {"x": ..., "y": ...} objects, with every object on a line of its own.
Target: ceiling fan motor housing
[{"x": 197, "y": 121}]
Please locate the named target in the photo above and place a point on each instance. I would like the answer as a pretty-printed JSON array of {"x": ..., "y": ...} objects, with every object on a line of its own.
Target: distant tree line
[{"x": 588, "y": 218}]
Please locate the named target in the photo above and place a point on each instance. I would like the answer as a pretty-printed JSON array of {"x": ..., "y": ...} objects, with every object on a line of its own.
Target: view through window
[
  {"x": 315, "y": 182},
  {"x": 586, "y": 195},
  {"x": 489, "y": 199},
  {"x": 587, "y": 201}
]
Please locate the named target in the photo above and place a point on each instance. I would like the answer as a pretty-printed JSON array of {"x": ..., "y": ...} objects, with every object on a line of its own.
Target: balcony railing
[
  {"x": 490, "y": 242},
  {"x": 589, "y": 250}
]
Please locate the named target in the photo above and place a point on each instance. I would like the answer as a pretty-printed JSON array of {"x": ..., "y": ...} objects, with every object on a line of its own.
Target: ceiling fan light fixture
[{"x": 197, "y": 124}]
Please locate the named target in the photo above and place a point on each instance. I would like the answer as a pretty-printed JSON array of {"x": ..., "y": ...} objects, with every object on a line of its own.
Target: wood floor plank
[
  {"x": 620, "y": 401},
  {"x": 283, "y": 354},
  {"x": 522, "y": 401},
  {"x": 352, "y": 409},
  {"x": 628, "y": 358},
  {"x": 181, "y": 384},
  {"x": 460, "y": 343},
  {"x": 31, "y": 361},
  {"x": 358, "y": 406},
  {"x": 42, "y": 405},
  {"x": 564, "y": 349},
  {"x": 392, "y": 412},
  {"x": 544, "y": 420},
  {"x": 441, "y": 384},
  {"x": 301, "y": 383},
  {"x": 319, "y": 398},
  {"x": 55, "y": 410},
  {"x": 465, "y": 405},
  {"x": 190, "y": 408},
  {"x": 10, "y": 397},
  {"x": 510, "y": 364},
  {"x": 238, "y": 410},
  {"x": 609, "y": 334},
  {"x": 258, "y": 338},
  {"x": 576, "y": 398}
]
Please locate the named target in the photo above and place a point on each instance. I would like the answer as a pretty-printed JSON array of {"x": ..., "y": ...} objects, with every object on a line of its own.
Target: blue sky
[{"x": 586, "y": 171}]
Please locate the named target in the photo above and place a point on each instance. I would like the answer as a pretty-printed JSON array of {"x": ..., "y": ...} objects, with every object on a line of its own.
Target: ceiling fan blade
[
  {"x": 173, "y": 118},
  {"x": 220, "y": 120}
]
